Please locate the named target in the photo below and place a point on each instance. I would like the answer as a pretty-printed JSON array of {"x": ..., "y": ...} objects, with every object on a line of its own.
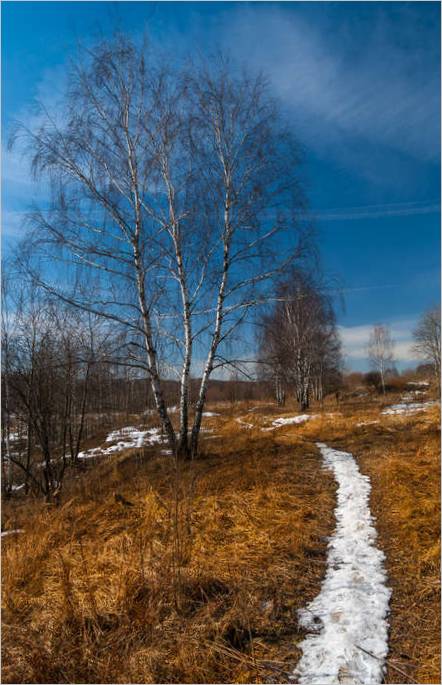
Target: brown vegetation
[
  {"x": 100, "y": 592},
  {"x": 202, "y": 582}
]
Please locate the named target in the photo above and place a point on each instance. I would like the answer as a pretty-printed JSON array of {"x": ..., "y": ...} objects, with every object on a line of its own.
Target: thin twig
[{"x": 395, "y": 668}]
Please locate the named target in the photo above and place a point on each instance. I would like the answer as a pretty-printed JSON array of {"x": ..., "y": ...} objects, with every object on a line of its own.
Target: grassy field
[{"x": 148, "y": 573}]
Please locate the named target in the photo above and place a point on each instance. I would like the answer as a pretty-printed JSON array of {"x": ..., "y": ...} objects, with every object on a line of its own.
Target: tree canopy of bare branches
[
  {"x": 299, "y": 342},
  {"x": 174, "y": 208},
  {"x": 49, "y": 354},
  {"x": 427, "y": 340}
]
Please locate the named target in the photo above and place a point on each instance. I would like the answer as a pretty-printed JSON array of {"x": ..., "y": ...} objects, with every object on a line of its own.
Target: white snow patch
[
  {"x": 15, "y": 437},
  {"x": 290, "y": 420},
  {"x": 348, "y": 639},
  {"x": 120, "y": 432},
  {"x": 301, "y": 418},
  {"x": 12, "y": 532},
  {"x": 210, "y": 413},
  {"x": 408, "y": 408},
  {"x": 93, "y": 452},
  {"x": 418, "y": 383},
  {"x": 244, "y": 423},
  {"x": 293, "y": 419},
  {"x": 125, "y": 438},
  {"x": 170, "y": 410},
  {"x": 413, "y": 395}
]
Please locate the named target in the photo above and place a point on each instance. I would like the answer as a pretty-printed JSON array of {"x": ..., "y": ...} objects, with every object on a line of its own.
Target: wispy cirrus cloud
[
  {"x": 19, "y": 188},
  {"x": 375, "y": 211},
  {"x": 344, "y": 82}
]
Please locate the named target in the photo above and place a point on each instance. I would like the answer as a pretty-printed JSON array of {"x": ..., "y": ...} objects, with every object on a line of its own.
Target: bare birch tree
[
  {"x": 427, "y": 340},
  {"x": 300, "y": 343},
  {"x": 381, "y": 351},
  {"x": 173, "y": 210}
]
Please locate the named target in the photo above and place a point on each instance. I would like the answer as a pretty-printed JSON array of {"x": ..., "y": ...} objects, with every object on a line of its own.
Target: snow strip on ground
[
  {"x": 410, "y": 408},
  {"x": 293, "y": 419},
  {"x": 348, "y": 638},
  {"x": 290, "y": 420},
  {"x": 244, "y": 423},
  {"x": 12, "y": 532}
]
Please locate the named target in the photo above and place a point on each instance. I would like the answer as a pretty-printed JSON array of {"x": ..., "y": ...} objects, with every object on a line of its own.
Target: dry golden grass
[
  {"x": 406, "y": 499},
  {"x": 201, "y": 582},
  {"x": 96, "y": 591},
  {"x": 401, "y": 454}
]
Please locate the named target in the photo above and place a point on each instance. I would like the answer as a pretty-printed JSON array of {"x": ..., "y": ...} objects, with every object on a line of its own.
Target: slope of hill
[{"x": 152, "y": 573}]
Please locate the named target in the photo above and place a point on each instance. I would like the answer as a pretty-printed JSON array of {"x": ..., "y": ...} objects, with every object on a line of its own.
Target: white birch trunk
[{"x": 217, "y": 331}]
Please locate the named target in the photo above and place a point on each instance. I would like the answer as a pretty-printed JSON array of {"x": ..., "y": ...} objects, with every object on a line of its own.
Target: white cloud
[
  {"x": 376, "y": 211},
  {"x": 49, "y": 90},
  {"x": 355, "y": 340},
  {"x": 18, "y": 189},
  {"x": 386, "y": 94}
]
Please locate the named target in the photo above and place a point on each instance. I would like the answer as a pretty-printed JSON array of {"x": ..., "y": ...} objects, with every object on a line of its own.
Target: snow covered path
[{"x": 348, "y": 639}]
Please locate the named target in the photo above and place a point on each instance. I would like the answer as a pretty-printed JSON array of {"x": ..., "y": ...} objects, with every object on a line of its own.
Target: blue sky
[{"x": 360, "y": 83}]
